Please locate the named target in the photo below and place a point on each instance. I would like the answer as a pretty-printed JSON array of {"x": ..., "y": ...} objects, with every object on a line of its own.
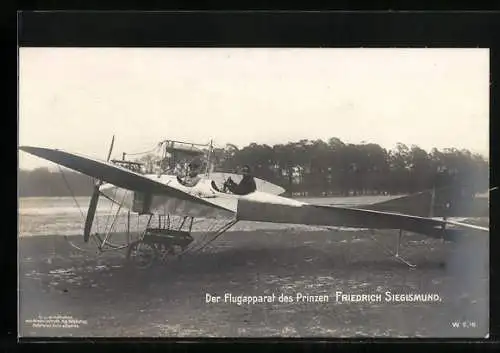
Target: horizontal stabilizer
[
  {"x": 418, "y": 204},
  {"x": 431, "y": 203}
]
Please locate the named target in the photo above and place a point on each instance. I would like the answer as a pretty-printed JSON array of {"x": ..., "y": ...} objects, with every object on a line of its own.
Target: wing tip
[
  {"x": 35, "y": 150},
  {"x": 29, "y": 149}
]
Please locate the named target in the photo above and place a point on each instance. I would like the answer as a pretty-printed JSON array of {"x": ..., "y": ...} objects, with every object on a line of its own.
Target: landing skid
[
  {"x": 395, "y": 254},
  {"x": 104, "y": 244}
]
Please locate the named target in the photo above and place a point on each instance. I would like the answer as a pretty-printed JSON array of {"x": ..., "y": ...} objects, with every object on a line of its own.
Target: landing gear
[
  {"x": 142, "y": 254},
  {"x": 395, "y": 253},
  {"x": 154, "y": 248},
  {"x": 159, "y": 245}
]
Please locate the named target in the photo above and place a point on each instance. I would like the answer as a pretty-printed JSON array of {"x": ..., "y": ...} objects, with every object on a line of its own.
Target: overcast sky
[{"x": 76, "y": 98}]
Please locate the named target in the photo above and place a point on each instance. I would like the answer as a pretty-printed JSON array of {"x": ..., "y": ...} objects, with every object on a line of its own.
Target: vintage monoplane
[{"x": 160, "y": 194}]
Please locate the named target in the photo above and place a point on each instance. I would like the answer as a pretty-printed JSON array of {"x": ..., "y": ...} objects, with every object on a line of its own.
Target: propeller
[{"x": 93, "y": 201}]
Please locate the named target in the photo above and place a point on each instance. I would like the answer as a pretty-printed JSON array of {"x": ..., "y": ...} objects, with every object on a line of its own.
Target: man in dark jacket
[{"x": 245, "y": 186}]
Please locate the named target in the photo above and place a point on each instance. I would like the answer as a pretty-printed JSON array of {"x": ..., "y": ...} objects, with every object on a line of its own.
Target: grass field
[{"x": 112, "y": 300}]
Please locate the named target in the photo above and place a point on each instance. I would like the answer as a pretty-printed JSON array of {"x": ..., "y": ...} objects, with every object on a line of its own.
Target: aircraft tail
[
  {"x": 418, "y": 204},
  {"x": 442, "y": 202}
]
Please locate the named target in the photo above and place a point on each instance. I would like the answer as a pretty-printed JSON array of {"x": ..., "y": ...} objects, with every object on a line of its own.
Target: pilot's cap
[{"x": 246, "y": 169}]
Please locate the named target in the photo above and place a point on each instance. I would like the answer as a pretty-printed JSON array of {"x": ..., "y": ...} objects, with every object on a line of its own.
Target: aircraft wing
[
  {"x": 325, "y": 215},
  {"x": 126, "y": 179}
]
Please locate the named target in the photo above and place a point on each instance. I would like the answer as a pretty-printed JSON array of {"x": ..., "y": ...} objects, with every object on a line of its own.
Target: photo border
[{"x": 266, "y": 29}]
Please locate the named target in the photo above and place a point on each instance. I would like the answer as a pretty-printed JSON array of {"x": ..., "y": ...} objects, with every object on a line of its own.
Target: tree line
[
  {"x": 318, "y": 168},
  {"x": 44, "y": 182},
  {"x": 315, "y": 168}
]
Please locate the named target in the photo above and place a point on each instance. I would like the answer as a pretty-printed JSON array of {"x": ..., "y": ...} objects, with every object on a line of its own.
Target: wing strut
[
  {"x": 217, "y": 234},
  {"x": 392, "y": 253}
]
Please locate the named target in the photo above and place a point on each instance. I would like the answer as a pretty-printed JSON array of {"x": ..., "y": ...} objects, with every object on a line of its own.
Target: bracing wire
[
  {"x": 71, "y": 192},
  {"x": 194, "y": 249},
  {"x": 77, "y": 205},
  {"x": 120, "y": 205},
  {"x": 110, "y": 210}
]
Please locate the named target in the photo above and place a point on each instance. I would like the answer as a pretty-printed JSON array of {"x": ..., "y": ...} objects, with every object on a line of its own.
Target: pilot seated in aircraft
[
  {"x": 192, "y": 178},
  {"x": 245, "y": 186}
]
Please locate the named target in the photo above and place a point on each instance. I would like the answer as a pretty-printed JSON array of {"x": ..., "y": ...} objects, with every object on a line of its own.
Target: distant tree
[
  {"x": 150, "y": 162},
  {"x": 399, "y": 161},
  {"x": 421, "y": 169}
]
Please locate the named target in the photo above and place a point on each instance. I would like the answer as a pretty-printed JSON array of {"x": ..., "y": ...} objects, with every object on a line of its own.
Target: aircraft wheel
[
  {"x": 165, "y": 252},
  {"x": 142, "y": 254}
]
